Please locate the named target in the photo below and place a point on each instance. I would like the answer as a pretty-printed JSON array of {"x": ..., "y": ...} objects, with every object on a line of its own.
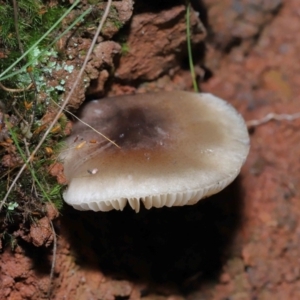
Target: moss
[
  {"x": 36, "y": 186},
  {"x": 124, "y": 48},
  {"x": 34, "y": 18},
  {"x": 113, "y": 18},
  {"x": 93, "y": 2}
]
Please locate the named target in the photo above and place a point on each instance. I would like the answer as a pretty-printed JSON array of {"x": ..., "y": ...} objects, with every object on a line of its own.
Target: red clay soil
[{"x": 242, "y": 244}]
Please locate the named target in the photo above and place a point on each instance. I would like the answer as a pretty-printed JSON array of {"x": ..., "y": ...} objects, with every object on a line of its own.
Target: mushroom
[{"x": 164, "y": 149}]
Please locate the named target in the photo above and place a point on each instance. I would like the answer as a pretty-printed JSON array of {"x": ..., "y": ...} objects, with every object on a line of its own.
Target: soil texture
[{"x": 242, "y": 244}]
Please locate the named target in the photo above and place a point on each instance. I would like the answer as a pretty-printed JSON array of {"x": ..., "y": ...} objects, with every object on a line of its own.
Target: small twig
[
  {"x": 271, "y": 117},
  {"x": 3, "y": 175},
  {"x": 53, "y": 259},
  {"x": 10, "y": 90},
  {"x": 18, "y": 114},
  {"x": 91, "y": 127},
  {"x": 66, "y": 101},
  {"x": 28, "y": 154},
  {"x": 15, "y": 4}
]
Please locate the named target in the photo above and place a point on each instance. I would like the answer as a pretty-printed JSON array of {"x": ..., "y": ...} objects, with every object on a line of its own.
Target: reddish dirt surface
[
  {"x": 242, "y": 244},
  {"x": 265, "y": 80}
]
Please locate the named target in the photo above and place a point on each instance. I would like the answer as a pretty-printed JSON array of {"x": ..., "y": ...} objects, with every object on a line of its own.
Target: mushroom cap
[{"x": 175, "y": 148}]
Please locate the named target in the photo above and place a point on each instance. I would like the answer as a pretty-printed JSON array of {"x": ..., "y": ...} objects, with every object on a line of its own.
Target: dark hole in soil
[
  {"x": 198, "y": 54},
  {"x": 155, "y": 5},
  {"x": 168, "y": 245},
  {"x": 40, "y": 257},
  {"x": 200, "y": 7},
  {"x": 122, "y": 298}
]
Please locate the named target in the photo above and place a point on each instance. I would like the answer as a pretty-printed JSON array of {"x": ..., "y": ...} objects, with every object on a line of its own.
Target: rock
[
  {"x": 41, "y": 233},
  {"x": 157, "y": 43}
]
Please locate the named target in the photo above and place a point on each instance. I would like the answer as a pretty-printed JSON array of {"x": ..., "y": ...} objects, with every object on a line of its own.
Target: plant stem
[
  {"x": 189, "y": 46},
  {"x": 27, "y": 163}
]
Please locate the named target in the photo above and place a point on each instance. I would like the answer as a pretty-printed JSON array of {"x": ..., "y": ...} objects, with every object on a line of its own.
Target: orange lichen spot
[
  {"x": 29, "y": 69},
  {"x": 49, "y": 151},
  {"x": 56, "y": 129},
  {"x": 28, "y": 105},
  {"x": 40, "y": 129}
]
